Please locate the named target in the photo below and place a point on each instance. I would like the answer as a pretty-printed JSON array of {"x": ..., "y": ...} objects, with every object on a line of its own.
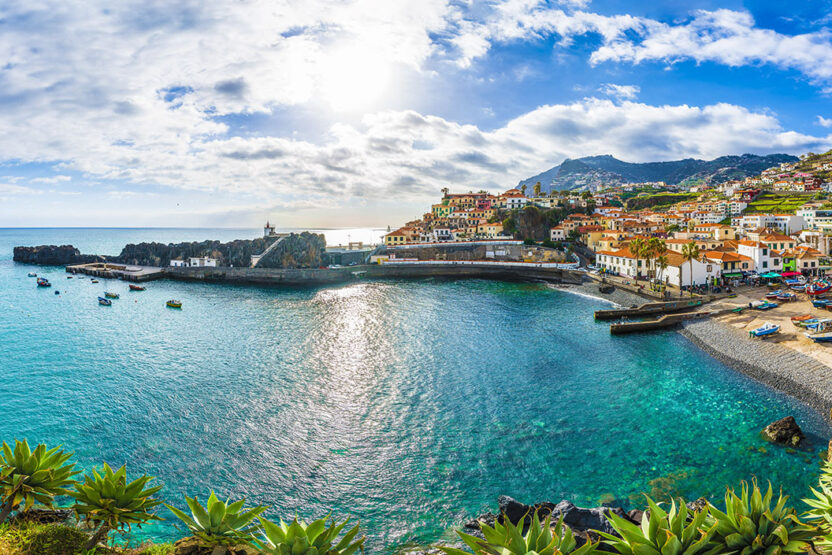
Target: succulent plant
[
  {"x": 219, "y": 523},
  {"x": 820, "y": 514},
  {"x": 751, "y": 525},
  {"x": 28, "y": 476},
  {"x": 674, "y": 532},
  {"x": 109, "y": 502},
  {"x": 316, "y": 538},
  {"x": 508, "y": 539}
]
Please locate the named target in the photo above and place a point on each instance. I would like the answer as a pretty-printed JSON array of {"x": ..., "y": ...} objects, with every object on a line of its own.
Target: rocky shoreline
[{"x": 779, "y": 367}]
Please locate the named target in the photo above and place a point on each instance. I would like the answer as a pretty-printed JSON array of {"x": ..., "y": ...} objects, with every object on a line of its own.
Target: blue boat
[
  {"x": 104, "y": 302},
  {"x": 822, "y": 337},
  {"x": 821, "y": 303},
  {"x": 764, "y": 305},
  {"x": 766, "y": 329}
]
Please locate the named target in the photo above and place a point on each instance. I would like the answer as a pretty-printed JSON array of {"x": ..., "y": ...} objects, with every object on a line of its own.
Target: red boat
[
  {"x": 136, "y": 287},
  {"x": 819, "y": 288}
]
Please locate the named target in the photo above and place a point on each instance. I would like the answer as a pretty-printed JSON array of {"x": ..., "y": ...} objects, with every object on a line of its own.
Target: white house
[
  {"x": 765, "y": 259},
  {"x": 785, "y": 223},
  {"x": 177, "y": 263},
  {"x": 703, "y": 272},
  {"x": 202, "y": 262},
  {"x": 557, "y": 233},
  {"x": 516, "y": 202}
]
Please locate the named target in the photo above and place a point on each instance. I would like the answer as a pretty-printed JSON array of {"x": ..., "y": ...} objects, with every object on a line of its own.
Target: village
[{"x": 675, "y": 237}]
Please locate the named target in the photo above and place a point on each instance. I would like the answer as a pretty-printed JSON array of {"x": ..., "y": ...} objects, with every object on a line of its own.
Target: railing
[
  {"x": 456, "y": 244},
  {"x": 491, "y": 263}
]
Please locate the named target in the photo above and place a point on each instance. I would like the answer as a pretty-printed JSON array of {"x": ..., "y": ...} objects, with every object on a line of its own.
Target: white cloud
[
  {"x": 621, "y": 92},
  {"x": 824, "y": 122},
  {"x": 9, "y": 189},
  {"x": 54, "y": 179}
]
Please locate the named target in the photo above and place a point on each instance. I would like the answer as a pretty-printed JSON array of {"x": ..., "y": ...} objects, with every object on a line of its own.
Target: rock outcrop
[
  {"x": 190, "y": 546},
  {"x": 298, "y": 250},
  {"x": 235, "y": 253},
  {"x": 784, "y": 432},
  {"x": 53, "y": 255}
]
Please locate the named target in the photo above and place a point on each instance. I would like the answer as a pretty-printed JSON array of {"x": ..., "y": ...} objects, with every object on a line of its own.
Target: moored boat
[
  {"x": 43, "y": 282},
  {"x": 32, "y": 274},
  {"x": 766, "y": 329},
  {"x": 110, "y": 295},
  {"x": 94, "y": 281},
  {"x": 174, "y": 304},
  {"x": 104, "y": 302},
  {"x": 822, "y": 337},
  {"x": 136, "y": 287}
]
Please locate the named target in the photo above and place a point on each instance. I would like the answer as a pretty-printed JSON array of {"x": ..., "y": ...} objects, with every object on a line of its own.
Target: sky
[{"x": 321, "y": 113}]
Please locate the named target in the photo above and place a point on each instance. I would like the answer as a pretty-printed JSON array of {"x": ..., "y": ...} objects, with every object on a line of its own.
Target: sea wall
[
  {"x": 312, "y": 277},
  {"x": 774, "y": 365}
]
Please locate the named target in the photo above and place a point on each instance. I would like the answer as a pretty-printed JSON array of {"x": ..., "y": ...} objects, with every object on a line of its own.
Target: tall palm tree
[
  {"x": 523, "y": 189},
  {"x": 637, "y": 247},
  {"x": 662, "y": 262},
  {"x": 657, "y": 247},
  {"x": 537, "y": 190},
  {"x": 690, "y": 251}
]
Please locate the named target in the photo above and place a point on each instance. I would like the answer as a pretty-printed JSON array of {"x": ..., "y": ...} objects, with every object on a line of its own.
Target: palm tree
[
  {"x": 690, "y": 251},
  {"x": 523, "y": 189},
  {"x": 657, "y": 248},
  {"x": 637, "y": 247},
  {"x": 661, "y": 261},
  {"x": 537, "y": 190}
]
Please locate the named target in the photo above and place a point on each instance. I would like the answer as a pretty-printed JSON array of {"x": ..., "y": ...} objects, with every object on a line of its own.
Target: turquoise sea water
[{"x": 410, "y": 405}]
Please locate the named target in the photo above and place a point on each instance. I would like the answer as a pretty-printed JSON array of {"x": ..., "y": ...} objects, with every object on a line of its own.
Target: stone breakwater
[{"x": 774, "y": 365}]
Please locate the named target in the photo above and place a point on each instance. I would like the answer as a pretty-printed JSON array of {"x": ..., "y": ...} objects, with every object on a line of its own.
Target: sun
[{"x": 354, "y": 77}]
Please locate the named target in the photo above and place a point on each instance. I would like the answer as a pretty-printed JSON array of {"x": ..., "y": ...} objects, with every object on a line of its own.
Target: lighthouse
[{"x": 268, "y": 230}]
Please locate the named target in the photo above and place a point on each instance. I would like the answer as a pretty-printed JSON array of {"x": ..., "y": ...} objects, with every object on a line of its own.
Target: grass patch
[{"x": 32, "y": 538}]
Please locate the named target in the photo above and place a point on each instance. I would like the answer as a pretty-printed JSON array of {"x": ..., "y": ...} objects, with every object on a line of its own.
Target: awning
[
  {"x": 733, "y": 275},
  {"x": 790, "y": 274},
  {"x": 770, "y": 275}
]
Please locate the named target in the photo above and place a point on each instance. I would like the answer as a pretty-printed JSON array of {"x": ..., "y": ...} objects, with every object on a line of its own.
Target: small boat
[
  {"x": 766, "y": 329},
  {"x": 773, "y": 294},
  {"x": 818, "y": 287},
  {"x": 822, "y": 337},
  {"x": 57, "y": 292},
  {"x": 174, "y": 304},
  {"x": 806, "y": 323},
  {"x": 32, "y": 274},
  {"x": 797, "y": 287},
  {"x": 68, "y": 277},
  {"x": 43, "y": 282},
  {"x": 786, "y": 297},
  {"x": 104, "y": 302},
  {"x": 765, "y": 305},
  {"x": 820, "y": 325},
  {"x": 821, "y": 303},
  {"x": 110, "y": 295},
  {"x": 802, "y": 317},
  {"x": 137, "y": 287},
  {"x": 94, "y": 281}
]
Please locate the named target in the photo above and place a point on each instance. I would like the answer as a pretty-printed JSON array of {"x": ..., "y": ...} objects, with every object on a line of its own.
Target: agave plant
[
  {"x": 219, "y": 523},
  {"x": 28, "y": 476},
  {"x": 316, "y": 538},
  {"x": 820, "y": 514},
  {"x": 109, "y": 502},
  {"x": 751, "y": 525},
  {"x": 674, "y": 532},
  {"x": 508, "y": 539}
]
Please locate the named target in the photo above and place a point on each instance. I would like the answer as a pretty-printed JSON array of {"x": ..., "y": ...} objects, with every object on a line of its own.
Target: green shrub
[
  {"x": 28, "y": 476},
  {"x": 108, "y": 502},
  {"x": 751, "y": 525},
  {"x": 508, "y": 539},
  {"x": 219, "y": 523},
  {"x": 676, "y": 532},
  {"x": 32, "y": 538},
  {"x": 316, "y": 538}
]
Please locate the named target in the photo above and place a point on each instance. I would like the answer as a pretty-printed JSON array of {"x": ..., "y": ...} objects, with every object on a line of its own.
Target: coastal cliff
[
  {"x": 303, "y": 250},
  {"x": 235, "y": 253},
  {"x": 53, "y": 255}
]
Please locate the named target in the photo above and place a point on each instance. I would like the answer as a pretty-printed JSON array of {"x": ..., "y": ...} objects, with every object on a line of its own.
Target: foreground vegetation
[{"x": 106, "y": 502}]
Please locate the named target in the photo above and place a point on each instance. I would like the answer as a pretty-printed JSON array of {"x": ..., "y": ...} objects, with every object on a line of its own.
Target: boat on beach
[
  {"x": 773, "y": 294},
  {"x": 819, "y": 287},
  {"x": 786, "y": 297},
  {"x": 110, "y": 295},
  {"x": 821, "y": 303},
  {"x": 802, "y": 317},
  {"x": 805, "y": 323},
  {"x": 766, "y": 329},
  {"x": 136, "y": 287},
  {"x": 174, "y": 304},
  {"x": 764, "y": 305},
  {"x": 104, "y": 302}
]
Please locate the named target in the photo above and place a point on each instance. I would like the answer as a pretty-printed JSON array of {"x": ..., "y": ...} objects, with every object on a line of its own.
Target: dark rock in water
[
  {"x": 784, "y": 432},
  {"x": 53, "y": 255},
  {"x": 579, "y": 519}
]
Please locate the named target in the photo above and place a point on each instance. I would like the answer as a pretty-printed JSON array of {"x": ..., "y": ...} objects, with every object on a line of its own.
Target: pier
[
  {"x": 649, "y": 309},
  {"x": 666, "y": 321},
  {"x": 117, "y": 271}
]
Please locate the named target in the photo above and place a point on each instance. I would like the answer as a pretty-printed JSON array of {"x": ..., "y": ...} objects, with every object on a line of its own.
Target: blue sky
[{"x": 353, "y": 113}]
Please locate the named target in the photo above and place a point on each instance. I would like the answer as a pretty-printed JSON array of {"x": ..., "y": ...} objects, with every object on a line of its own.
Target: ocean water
[{"x": 408, "y": 405}]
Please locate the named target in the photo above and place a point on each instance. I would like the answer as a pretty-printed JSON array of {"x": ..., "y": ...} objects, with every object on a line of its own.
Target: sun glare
[{"x": 354, "y": 78}]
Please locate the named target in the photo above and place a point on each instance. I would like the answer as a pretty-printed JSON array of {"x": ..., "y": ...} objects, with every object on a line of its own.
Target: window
[
  {"x": 765, "y": 264},
  {"x": 765, "y": 252}
]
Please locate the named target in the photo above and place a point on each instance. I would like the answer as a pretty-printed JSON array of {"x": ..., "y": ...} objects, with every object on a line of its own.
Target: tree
[
  {"x": 690, "y": 251},
  {"x": 662, "y": 262},
  {"x": 523, "y": 189},
  {"x": 537, "y": 189},
  {"x": 637, "y": 247},
  {"x": 657, "y": 247},
  {"x": 445, "y": 192}
]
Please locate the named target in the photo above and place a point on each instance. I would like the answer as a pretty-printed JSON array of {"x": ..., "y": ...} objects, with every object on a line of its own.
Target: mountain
[{"x": 592, "y": 172}]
